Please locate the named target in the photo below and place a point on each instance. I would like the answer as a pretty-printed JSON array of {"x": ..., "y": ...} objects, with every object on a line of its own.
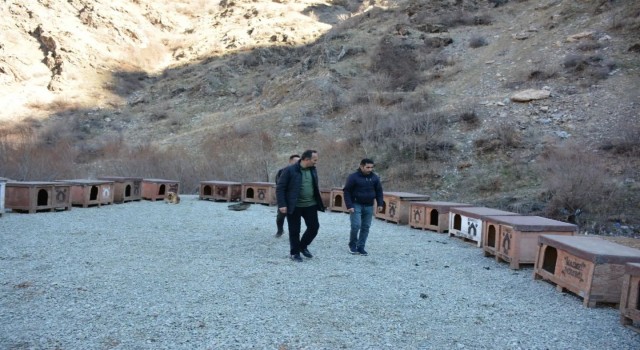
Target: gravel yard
[{"x": 150, "y": 275}]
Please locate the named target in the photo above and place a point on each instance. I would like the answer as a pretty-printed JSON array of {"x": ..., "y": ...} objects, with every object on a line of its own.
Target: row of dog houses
[
  {"x": 41, "y": 196},
  {"x": 598, "y": 271}
]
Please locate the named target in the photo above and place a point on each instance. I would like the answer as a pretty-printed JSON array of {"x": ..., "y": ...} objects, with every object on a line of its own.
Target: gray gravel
[{"x": 150, "y": 275}]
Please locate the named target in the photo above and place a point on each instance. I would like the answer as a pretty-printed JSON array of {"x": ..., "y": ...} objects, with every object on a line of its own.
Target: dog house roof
[
  {"x": 533, "y": 223},
  {"x": 120, "y": 178},
  {"x": 480, "y": 212},
  {"x": 441, "y": 206},
  {"x": 85, "y": 182},
  {"x": 216, "y": 182},
  {"x": 34, "y": 183},
  {"x": 594, "y": 249},
  {"x": 408, "y": 196}
]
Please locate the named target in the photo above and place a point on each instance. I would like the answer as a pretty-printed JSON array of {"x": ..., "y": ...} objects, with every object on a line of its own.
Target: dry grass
[{"x": 577, "y": 185}]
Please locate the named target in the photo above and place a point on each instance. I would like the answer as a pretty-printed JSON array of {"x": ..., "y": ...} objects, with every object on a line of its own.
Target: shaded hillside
[{"x": 227, "y": 91}]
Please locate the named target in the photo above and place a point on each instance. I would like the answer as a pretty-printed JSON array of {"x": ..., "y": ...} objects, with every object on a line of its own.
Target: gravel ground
[{"x": 149, "y": 275}]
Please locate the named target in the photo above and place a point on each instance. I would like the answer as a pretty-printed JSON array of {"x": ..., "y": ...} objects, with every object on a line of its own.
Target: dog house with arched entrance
[
  {"x": 36, "y": 196},
  {"x": 588, "y": 266},
  {"x": 157, "y": 189},
  {"x": 224, "y": 191},
  {"x": 337, "y": 203},
  {"x": 514, "y": 239},
  {"x": 125, "y": 189},
  {"x": 467, "y": 222},
  {"x": 87, "y": 193},
  {"x": 259, "y": 192},
  {"x": 433, "y": 216}
]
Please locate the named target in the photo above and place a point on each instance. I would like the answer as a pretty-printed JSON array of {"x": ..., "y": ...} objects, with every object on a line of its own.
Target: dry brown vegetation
[{"x": 420, "y": 86}]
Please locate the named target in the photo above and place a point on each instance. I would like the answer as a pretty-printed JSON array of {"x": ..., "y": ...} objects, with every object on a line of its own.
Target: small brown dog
[{"x": 172, "y": 198}]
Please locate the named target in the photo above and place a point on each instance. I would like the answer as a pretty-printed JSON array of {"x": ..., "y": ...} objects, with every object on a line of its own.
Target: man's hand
[
  {"x": 283, "y": 210},
  {"x": 380, "y": 209},
  {"x": 351, "y": 210}
]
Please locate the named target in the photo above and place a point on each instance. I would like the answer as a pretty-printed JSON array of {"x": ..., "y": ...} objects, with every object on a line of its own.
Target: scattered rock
[{"x": 530, "y": 95}]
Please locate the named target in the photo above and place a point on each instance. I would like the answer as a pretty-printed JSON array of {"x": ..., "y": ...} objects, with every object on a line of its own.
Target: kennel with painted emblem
[
  {"x": 36, "y": 196},
  {"x": 590, "y": 267},
  {"x": 223, "y": 191},
  {"x": 86, "y": 193},
  {"x": 514, "y": 239},
  {"x": 125, "y": 189},
  {"x": 433, "y": 216},
  {"x": 157, "y": 189},
  {"x": 467, "y": 222},
  {"x": 397, "y": 206},
  {"x": 630, "y": 297},
  {"x": 259, "y": 192}
]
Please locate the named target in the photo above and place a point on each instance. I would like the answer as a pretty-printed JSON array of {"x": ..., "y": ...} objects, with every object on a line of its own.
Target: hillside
[{"x": 200, "y": 90}]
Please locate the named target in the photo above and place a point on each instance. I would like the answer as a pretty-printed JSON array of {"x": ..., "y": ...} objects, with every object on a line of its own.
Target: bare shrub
[
  {"x": 399, "y": 61},
  {"x": 626, "y": 142},
  {"x": 501, "y": 137},
  {"x": 470, "y": 117},
  {"x": 588, "y": 45},
  {"x": 400, "y": 135},
  {"x": 477, "y": 41},
  {"x": 464, "y": 18},
  {"x": 576, "y": 183},
  {"x": 337, "y": 161},
  {"x": 24, "y": 158},
  {"x": 593, "y": 66}
]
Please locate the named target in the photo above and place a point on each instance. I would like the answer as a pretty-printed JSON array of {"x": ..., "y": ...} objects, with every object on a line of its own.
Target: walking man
[
  {"x": 299, "y": 197},
  {"x": 361, "y": 189},
  {"x": 294, "y": 158}
]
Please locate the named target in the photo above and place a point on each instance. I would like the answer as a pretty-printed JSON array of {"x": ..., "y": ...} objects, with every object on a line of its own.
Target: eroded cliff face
[{"x": 63, "y": 53}]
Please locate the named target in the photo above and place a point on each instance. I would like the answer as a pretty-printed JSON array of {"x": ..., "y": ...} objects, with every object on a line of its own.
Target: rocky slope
[{"x": 425, "y": 87}]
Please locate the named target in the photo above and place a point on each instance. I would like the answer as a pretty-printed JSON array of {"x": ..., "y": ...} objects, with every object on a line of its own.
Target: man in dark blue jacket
[
  {"x": 294, "y": 158},
  {"x": 299, "y": 197},
  {"x": 360, "y": 191}
]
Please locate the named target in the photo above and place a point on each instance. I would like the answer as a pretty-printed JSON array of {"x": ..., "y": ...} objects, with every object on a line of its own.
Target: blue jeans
[{"x": 360, "y": 222}]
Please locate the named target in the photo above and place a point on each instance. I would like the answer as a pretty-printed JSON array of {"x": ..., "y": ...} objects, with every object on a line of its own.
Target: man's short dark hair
[
  {"x": 293, "y": 156},
  {"x": 308, "y": 154},
  {"x": 366, "y": 161}
]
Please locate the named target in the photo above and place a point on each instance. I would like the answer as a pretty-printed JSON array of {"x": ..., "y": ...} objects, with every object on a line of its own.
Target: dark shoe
[
  {"x": 296, "y": 258},
  {"x": 353, "y": 250},
  {"x": 362, "y": 251},
  {"x": 306, "y": 253},
  {"x": 279, "y": 233}
]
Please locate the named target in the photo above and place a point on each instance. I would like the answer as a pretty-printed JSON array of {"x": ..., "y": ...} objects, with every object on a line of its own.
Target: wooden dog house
[
  {"x": 630, "y": 297},
  {"x": 514, "y": 239},
  {"x": 325, "y": 194},
  {"x": 157, "y": 189},
  {"x": 224, "y": 191},
  {"x": 337, "y": 201},
  {"x": 125, "y": 189},
  {"x": 587, "y": 266},
  {"x": 397, "y": 205},
  {"x": 467, "y": 222},
  {"x": 259, "y": 192},
  {"x": 3, "y": 184},
  {"x": 35, "y": 196},
  {"x": 433, "y": 216},
  {"x": 86, "y": 193}
]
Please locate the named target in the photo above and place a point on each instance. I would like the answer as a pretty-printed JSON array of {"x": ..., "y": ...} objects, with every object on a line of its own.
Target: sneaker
[
  {"x": 306, "y": 253},
  {"x": 353, "y": 250},
  {"x": 279, "y": 233},
  {"x": 362, "y": 251},
  {"x": 296, "y": 257}
]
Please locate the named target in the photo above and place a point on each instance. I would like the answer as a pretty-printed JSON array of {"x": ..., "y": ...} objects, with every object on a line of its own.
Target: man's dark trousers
[{"x": 310, "y": 216}]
